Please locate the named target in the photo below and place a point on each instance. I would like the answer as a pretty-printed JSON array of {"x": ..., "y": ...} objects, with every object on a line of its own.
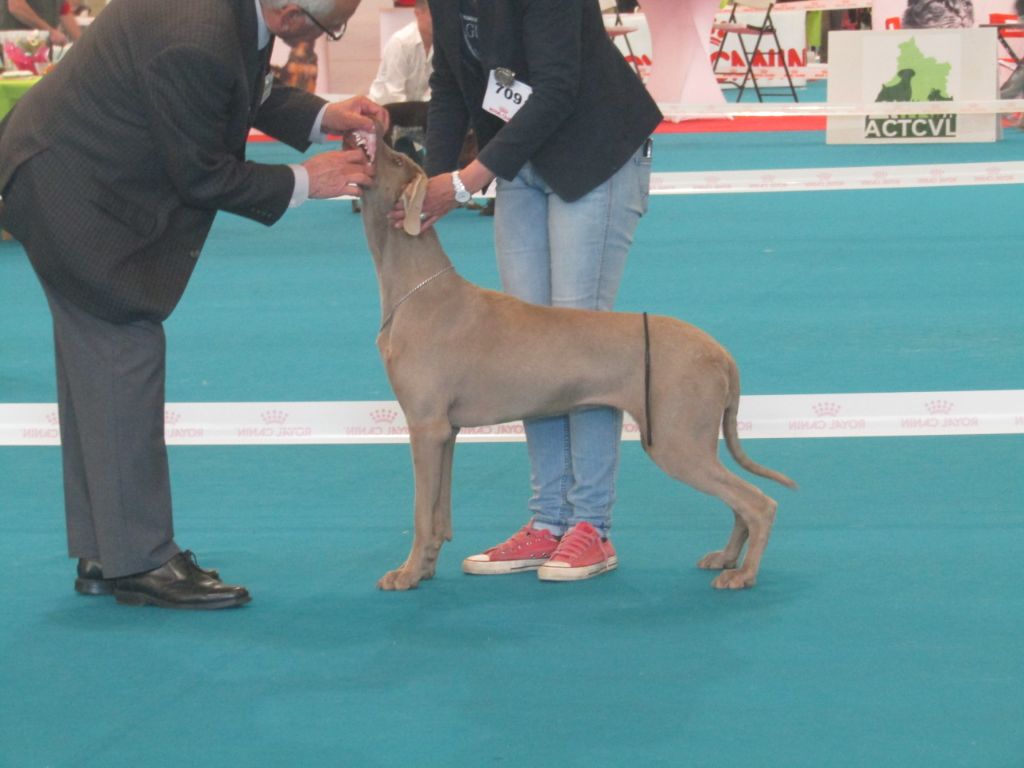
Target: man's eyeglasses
[{"x": 332, "y": 35}]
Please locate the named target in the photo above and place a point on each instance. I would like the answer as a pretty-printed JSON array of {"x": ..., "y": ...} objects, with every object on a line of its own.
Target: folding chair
[
  {"x": 619, "y": 28},
  {"x": 764, "y": 31}
]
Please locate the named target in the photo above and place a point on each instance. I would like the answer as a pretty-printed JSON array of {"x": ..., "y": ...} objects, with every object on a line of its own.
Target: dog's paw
[
  {"x": 398, "y": 580},
  {"x": 734, "y": 579},
  {"x": 715, "y": 561},
  {"x": 402, "y": 579}
]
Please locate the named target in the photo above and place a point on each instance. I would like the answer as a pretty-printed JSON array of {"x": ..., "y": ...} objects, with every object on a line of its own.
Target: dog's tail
[{"x": 732, "y": 437}]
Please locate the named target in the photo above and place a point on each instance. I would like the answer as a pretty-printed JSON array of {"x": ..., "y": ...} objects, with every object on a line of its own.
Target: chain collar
[{"x": 390, "y": 315}]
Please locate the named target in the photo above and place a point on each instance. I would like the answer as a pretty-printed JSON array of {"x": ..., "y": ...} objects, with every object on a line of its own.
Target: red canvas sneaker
[
  {"x": 581, "y": 554},
  {"x": 526, "y": 550}
]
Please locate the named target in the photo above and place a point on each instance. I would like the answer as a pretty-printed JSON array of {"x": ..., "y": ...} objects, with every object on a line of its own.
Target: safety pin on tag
[{"x": 504, "y": 76}]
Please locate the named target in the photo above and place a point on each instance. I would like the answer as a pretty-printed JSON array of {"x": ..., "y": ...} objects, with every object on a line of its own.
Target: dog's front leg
[
  {"x": 430, "y": 448},
  {"x": 443, "y": 513}
]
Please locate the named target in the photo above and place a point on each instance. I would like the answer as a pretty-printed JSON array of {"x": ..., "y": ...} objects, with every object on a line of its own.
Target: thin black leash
[{"x": 647, "y": 382}]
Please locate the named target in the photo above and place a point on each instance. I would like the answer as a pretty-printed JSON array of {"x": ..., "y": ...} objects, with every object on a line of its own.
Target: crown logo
[
  {"x": 826, "y": 409},
  {"x": 938, "y": 406},
  {"x": 383, "y": 415},
  {"x": 274, "y": 417},
  {"x": 171, "y": 417},
  {"x": 52, "y": 418}
]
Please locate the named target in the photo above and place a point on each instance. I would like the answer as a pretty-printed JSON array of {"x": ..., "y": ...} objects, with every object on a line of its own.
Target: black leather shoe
[
  {"x": 91, "y": 581},
  {"x": 179, "y": 583}
]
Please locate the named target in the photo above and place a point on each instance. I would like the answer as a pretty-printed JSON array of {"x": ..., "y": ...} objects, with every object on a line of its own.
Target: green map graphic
[{"x": 918, "y": 77}]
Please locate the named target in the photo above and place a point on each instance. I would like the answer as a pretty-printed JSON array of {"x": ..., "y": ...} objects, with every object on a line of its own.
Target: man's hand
[
  {"x": 355, "y": 114},
  {"x": 338, "y": 173}
]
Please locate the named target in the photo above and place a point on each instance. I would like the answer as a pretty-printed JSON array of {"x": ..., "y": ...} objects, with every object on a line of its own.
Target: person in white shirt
[{"x": 404, "y": 73}]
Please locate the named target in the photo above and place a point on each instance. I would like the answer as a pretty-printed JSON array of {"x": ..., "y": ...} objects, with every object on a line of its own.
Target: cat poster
[
  {"x": 927, "y": 66},
  {"x": 938, "y": 14}
]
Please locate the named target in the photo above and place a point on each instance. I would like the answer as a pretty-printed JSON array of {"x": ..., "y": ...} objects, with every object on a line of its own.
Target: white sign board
[{"x": 925, "y": 65}]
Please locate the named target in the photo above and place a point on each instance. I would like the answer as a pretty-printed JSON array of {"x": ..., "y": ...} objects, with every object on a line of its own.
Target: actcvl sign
[{"x": 929, "y": 66}]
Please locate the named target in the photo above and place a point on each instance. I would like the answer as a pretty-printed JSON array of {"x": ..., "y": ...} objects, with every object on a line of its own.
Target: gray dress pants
[{"x": 110, "y": 394}]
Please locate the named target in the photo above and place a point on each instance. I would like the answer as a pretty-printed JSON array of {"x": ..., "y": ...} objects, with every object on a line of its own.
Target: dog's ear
[{"x": 412, "y": 199}]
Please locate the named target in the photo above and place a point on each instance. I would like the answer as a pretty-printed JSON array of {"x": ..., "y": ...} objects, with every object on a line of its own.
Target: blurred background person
[
  {"x": 404, "y": 73},
  {"x": 53, "y": 16}
]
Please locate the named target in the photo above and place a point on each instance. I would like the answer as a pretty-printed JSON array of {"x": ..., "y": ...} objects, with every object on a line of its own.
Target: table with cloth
[{"x": 12, "y": 89}]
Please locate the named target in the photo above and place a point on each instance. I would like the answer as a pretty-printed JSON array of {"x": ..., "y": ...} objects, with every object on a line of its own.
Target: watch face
[{"x": 462, "y": 196}]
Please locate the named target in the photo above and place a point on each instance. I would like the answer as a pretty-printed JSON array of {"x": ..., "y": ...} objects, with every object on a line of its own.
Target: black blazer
[
  {"x": 588, "y": 112},
  {"x": 138, "y": 138}
]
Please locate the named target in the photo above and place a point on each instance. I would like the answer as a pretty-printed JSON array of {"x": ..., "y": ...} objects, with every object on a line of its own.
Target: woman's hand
[
  {"x": 440, "y": 197},
  {"x": 439, "y": 200}
]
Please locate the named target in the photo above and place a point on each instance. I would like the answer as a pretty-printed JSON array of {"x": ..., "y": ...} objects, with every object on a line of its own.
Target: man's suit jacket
[
  {"x": 135, "y": 141},
  {"x": 588, "y": 112}
]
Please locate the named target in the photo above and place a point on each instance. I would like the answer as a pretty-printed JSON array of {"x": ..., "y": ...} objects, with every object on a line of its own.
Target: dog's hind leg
[
  {"x": 694, "y": 460},
  {"x": 755, "y": 515},
  {"x": 728, "y": 557},
  {"x": 431, "y": 450}
]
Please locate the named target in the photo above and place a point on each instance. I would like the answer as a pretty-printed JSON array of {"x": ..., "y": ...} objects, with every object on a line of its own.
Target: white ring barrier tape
[
  {"x": 773, "y": 77},
  {"x": 893, "y": 414},
  {"x": 837, "y": 179},
  {"x": 828, "y": 179},
  {"x": 674, "y": 112}
]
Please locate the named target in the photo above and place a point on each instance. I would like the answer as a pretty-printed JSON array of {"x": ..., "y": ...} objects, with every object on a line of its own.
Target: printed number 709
[{"x": 509, "y": 94}]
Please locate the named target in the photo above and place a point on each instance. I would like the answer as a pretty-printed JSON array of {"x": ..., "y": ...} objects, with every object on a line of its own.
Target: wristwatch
[{"x": 462, "y": 195}]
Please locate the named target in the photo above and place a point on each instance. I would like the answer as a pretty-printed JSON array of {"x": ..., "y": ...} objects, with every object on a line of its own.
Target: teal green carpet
[
  {"x": 883, "y": 631},
  {"x": 885, "y": 627}
]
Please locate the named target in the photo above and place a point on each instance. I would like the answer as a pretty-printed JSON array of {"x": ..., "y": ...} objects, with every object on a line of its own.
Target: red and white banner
[
  {"x": 633, "y": 38},
  {"x": 792, "y": 30}
]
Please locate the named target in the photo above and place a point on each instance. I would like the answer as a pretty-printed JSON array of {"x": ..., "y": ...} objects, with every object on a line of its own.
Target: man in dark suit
[{"x": 112, "y": 169}]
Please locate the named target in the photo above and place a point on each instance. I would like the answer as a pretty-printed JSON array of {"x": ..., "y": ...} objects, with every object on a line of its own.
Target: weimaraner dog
[{"x": 461, "y": 356}]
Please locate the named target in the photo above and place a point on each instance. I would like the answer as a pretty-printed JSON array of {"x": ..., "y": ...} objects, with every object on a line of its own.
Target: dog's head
[{"x": 396, "y": 177}]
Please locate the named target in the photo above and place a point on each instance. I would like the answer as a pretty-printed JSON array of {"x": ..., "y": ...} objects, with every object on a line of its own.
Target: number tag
[{"x": 504, "y": 100}]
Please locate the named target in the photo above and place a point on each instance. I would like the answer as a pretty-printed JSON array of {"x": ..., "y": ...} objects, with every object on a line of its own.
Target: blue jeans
[{"x": 570, "y": 255}]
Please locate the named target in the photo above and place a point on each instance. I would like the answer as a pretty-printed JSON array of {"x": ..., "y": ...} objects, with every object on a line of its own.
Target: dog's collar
[{"x": 391, "y": 314}]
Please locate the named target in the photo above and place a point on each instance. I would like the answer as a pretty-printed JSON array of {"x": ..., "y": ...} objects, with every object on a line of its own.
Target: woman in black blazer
[{"x": 563, "y": 124}]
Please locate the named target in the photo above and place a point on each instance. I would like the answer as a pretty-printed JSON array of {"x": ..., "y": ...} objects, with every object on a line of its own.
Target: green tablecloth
[{"x": 12, "y": 89}]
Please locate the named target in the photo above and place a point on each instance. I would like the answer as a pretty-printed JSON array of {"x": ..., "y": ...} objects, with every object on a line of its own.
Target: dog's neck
[{"x": 402, "y": 261}]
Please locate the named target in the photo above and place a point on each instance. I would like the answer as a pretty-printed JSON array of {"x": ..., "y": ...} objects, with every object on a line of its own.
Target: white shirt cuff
[
  {"x": 316, "y": 135},
  {"x": 301, "y": 192}
]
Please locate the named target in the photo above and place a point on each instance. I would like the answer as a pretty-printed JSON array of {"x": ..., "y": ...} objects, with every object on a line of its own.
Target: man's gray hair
[{"x": 316, "y": 7}]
